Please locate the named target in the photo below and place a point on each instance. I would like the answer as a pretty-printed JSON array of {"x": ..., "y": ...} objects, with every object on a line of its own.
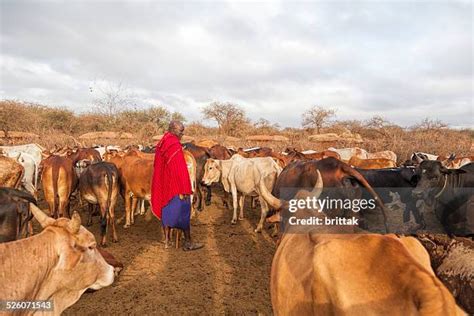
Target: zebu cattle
[
  {"x": 450, "y": 192},
  {"x": 14, "y": 214},
  {"x": 34, "y": 150},
  {"x": 377, "y": 163},
  {"x": 364, "y": 274},
  {"x": 347, "y": 153},
  {"x": 220, "y": 152},
  {"x": 11, "y": 172},
  {"x": 30, "y": 177},
  {"x": 255, "y": 152},
  {"x": 83, "y": 154},
  {"x": 99, "y": 185},
  {"x": 62, "y": 263},
  {"x": 386, "y": 154},
  {"x": 59, "y": 180},
  {"x": 453, "y": 162},
  {"x": 244, "y": 176}
]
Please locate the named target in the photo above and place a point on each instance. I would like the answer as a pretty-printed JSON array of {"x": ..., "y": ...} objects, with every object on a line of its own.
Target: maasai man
[{"x": 171, "y": 186}]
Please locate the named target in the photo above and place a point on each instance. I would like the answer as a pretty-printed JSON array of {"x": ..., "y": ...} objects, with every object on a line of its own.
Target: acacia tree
[
  {"x": 317, "y": 117},
  {"x": 229, "y": 117},
  {"x": 111, "y": 98}
]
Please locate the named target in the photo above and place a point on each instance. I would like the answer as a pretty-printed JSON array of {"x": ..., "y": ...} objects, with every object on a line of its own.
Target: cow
[
  {"x": 356, "y": 274},
  {"x": 14, "y": 214},
  {"x": 450, "y": 193},
  {"x": 135, "y": 178},
  {"x": 244, "y": 176},
  {"x": 220, "y": 152},
  {"x": 30, "y": 176},
  {"x": 341, "y": 181},
  {"x": 77, "y": 154},
  {"x": 311, "y": 154},
  {"x": 201, "y": 154},
  {"x": 99, "y": 184},
  {"x": 386, "y": 154},
  {"x": 103, "y": 149},
  {"x": 34, "y": 150},
  {"x": 418, "y": 157},
  {"x": 62, "y": 263},
  {"x": 255, "y": 152},
  {"x": 11, "y": 172},
  {"x": 453, "y": 162},
  {"x": 191, "y": 165},
  {"x": 401, "y": 180},
  {"x": 347, "y": 153},
  {"x": 376, "y": 163},
  {"x": 58, "y": 180}
]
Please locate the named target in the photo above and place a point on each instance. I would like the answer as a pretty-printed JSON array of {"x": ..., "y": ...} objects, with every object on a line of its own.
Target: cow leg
[
  {"x": 112, "y": 218},
  {"x": 208, "y": 196},
  {"x": 199, "y": 197},
  {"x": 134, "y": 206},
  {"x": 234, "y": 204},
  {"x": 103, "y": 226},
  {"x": 91, "y": 211},
  {"x": 142, "y": 207},
  {"x": 241, "y": 202},
  {"x": 128, "y": 209},
  {"x": 263, "y": 215}
]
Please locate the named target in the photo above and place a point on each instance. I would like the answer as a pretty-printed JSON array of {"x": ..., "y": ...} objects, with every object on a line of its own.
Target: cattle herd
[{"x": 312, "y": 273}]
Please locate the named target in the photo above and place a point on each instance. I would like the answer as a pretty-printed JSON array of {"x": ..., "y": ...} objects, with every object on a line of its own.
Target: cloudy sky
[{"x": 404, "y": 60}]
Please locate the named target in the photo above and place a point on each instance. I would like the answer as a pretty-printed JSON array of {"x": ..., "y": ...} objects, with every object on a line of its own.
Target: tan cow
[
  {"x": 378, "y": 163},
  {"x": 244, "y": 176},
  {"x": 386, "y": 154},
  {"x": 11, "y": 172},
  {"x": 59, "y": 180},
  {"x": 347, "y": 153},
  {"x": 347, "y": 274},
  {"x": 453, "y": 162},
  {"x": 62, "y": 263}
]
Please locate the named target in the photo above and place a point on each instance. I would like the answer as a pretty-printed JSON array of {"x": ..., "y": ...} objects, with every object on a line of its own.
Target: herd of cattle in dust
[{"x": 312, "y": 273}]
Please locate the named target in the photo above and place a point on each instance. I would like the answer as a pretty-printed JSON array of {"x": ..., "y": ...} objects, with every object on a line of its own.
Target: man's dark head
[{"x": 176, "y": 128}]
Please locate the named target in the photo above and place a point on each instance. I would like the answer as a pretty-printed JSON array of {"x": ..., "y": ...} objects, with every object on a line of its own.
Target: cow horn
[
  {"x": 40, "y": 216},
  {"x": 75, "y": 223},
  {"x": 418, "y": 159},
  {"x": 315, "y": 193}
]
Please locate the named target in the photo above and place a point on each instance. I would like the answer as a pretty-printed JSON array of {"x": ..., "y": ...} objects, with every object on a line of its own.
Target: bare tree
[
  {"x": 229, "y": 117},
  {"x": 428, "y": 124},
  {"x": 266, "y": 127},
  {"x": 111, "y": 98},
  {"x": 317, "y": 117}
]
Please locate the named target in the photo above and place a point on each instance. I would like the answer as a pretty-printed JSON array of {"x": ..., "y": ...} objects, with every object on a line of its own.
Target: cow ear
[{"x": 75, "y": 223}]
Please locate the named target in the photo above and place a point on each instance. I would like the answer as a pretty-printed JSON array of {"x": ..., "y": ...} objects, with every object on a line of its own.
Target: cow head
[
  {"x": 432, "y": 180},
  {"x": 77, "y": 264},
  {"x": 212, "y": 171}
]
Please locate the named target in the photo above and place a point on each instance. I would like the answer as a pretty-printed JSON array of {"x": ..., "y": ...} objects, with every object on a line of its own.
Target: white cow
[
  {"x": 243, "y": 175},
  {"x": 29, "y": 156},
  {"x": 347, "y": 153}
]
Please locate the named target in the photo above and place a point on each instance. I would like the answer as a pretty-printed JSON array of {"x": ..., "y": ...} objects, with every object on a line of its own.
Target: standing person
[{"x": 171, "y": 186}]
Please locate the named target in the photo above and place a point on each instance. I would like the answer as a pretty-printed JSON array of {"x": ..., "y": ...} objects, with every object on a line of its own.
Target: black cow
[
  {"x": 401, "y": 180},
  {"x": 451, "y": 193},
  {"x": 14, "y": 213}
]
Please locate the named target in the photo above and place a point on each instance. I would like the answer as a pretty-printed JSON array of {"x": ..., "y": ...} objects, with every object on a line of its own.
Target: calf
[
  {"x": 99, "y": 184},
  {"x": 62, "y": 263}
]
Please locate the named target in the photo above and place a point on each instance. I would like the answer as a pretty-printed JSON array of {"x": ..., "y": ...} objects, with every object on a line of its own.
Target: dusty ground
[{"x": 230, "y": 275}]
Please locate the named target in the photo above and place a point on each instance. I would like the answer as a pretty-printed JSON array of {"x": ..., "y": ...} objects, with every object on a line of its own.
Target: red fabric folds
[{"x": 170, "y": 173}]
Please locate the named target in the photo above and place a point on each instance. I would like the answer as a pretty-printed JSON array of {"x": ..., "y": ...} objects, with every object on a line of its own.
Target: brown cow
[
  {"x": 62, "y": 263},
  {"x": 58, "y": 180},
  {"x": 11, "y": 172},
  {"x": 386, "y": 154},
  {"x": 364, "y": 274},
  {"x": 15, "y": 214},
  {"x": 135, "y": 177},
  {"x": 378, "y": 163},
  {"x": 453, "y": 162},
  {"x": 255, "y": 152},
  {"x": 99, "y": 184},
  {"x": 220, "y": 152},
  {"x": 201, "y": 154},
  {"x": 83, "y": 154}
]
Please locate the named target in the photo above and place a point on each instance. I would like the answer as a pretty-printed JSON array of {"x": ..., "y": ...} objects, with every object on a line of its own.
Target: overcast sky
[{"x": 404, "y": 60}]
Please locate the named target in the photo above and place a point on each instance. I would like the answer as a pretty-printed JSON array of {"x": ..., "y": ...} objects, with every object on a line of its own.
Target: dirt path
[{"x": 229, "y": 276}]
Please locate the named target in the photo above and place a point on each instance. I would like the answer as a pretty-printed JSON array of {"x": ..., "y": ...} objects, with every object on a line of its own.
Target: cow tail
[
  {"x": 55, "y": 171},
  {"x": 354, "y": 173}
]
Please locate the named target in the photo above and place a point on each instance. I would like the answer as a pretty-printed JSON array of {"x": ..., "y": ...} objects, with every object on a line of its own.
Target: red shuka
[{"x": 170, "y": 173}]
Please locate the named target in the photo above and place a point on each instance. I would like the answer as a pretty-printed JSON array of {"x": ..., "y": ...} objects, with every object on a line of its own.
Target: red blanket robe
[{"x": 170, "y": 174}]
